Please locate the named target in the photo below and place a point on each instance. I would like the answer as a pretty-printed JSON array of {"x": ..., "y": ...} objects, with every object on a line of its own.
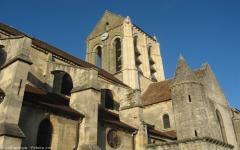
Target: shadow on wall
[
  {"x": 108, "y": 101},
  {"x": 62, "y": 83},
  {"x": 35, "y": 81},
  {"x": 3, "y": 56}
]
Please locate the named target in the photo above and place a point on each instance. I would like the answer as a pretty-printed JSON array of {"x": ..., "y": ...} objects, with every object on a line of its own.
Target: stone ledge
[
  {"x": 84, "y": 87},
  {"x": 131, "y": 106},
  {"x": 12, "y": 37},
  {"x": 204, "y": 139},
  {"x": 20, "y": 57},
  {"x": 12, "y": 130}
]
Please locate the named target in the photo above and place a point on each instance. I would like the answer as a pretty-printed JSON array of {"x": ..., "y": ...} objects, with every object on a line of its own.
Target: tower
[
  {"x": 193, "y": 115},
  {"x": 123, "y": 49}
]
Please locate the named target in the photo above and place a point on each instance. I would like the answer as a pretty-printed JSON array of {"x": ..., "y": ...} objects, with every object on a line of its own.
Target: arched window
[
  {"x": 220, "y": 121},
  {"x": 106, "y": 26},
  {"x": 3, "y": 56},
  {"x": 67, "y": 84},
  {"x": 62, "y": 82},
  {"x": 99, "y": 56},
  {"x": 149, "y": 50},
  {"x": 137, "y": 53},
  {"x": 117, "y": 48},
  {"x": 166, "y": 121},
  {"x": 44, "y": 136},
  {"x": 107, "y": 98}
]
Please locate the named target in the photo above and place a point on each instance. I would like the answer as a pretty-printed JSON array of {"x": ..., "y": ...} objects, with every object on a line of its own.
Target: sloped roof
[
  {"x": 55, "y": 103},
  {"x": 160, "y": 91},
  {"x": 112, "y": 118},
  {"x": 157, "y": 92},
  {"x": 60, "y": 53},
  {"x": 172, "y": 133},
  {"x": 113, "y": 19},
  {"x": 163, "y": 134}
]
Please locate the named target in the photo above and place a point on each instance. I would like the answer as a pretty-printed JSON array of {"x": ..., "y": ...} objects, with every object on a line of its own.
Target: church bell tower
[{"x": 123, "y": 49}]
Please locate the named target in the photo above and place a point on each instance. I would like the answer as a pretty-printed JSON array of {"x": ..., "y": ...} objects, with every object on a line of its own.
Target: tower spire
[{"x": 183, "y": 71}]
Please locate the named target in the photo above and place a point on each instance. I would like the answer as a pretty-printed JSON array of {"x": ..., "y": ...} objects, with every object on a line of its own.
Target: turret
[{"x": 189, "y": 103}]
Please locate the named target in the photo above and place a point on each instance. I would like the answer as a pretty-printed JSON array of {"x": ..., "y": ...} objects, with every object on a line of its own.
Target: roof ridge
[{"x": 61, "y": 53}]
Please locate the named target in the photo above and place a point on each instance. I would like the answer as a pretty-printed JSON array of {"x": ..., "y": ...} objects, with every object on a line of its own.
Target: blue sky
[{"x": 203, "y": 31}]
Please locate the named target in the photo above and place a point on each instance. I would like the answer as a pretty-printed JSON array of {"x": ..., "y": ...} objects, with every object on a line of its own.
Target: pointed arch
[
  {"x": 117, "y": 46},
  {"x": 62, "y": 82},
  {"x": 221, "y": 124},
  {"x": 99, "y": 56},
  {"x": 166, "y": 121},
  {"x": 44, "y": 136}
]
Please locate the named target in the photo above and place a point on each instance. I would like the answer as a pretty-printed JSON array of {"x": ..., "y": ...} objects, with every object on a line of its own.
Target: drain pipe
[{"x": 133, "y": 139}]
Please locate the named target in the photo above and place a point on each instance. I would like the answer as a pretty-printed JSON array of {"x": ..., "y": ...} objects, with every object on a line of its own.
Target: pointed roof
[
  {"x": 158, "y": 92},
  {"x": 111, "y": 18},
  {"x": 183, "y": 72},
  {"x": 60, "y": 53}
]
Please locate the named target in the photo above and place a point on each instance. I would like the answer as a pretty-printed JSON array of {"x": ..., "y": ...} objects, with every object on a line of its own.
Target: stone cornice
[
  {"x": 12, "y": 130},
  {"x": 204, "y": 139},
  {"x": 84, "y": 88},
  {"x": 20, "y": 57}
]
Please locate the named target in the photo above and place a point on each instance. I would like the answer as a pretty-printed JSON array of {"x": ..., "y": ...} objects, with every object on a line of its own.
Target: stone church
[{"x": 118, "y": 98}]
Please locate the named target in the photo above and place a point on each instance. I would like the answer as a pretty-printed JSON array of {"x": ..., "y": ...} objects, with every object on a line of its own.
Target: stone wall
[
  {"x": 236, "y": 124},
  {"x": 126, "y": 138},
  {"x": 144, "y": 82},
  {"x": 144, "y": 41},
  {"x": 64, "y": 128},
  {"x": 153, "y": 115},
  {"x": 204, "y": 143},
  {"x": 219, "y": 102}
]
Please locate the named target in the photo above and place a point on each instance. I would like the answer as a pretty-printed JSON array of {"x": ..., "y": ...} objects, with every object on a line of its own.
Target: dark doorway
[{"x": 44, "y": 137}]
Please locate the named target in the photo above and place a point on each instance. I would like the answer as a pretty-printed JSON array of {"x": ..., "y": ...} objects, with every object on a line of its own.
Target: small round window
[{"x": 113, "y": 139}]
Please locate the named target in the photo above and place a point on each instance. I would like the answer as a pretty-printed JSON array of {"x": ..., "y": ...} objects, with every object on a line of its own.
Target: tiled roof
[
  {"x": 162, "y": 134},
  {"x": 112, "y": 118},
  {"x": 56, "y": 103},
  {"x": 157, "y": 92},
  {"x": 160, "y": 91},
  {"x": 171, "y": 133},
  {"x": 60, "y": 53}
]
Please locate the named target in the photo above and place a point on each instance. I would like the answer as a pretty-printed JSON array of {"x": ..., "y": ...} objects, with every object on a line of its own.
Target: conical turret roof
[{"x": 183, "y": 72}]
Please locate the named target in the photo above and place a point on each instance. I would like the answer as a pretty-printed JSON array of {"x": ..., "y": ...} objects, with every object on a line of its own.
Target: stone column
[
  {"x": 144, "y": 54},
  {"x": 85, "y": 99},
  {"x": 132, "y": 113},
  {"x": 141, "y": 137},
  {"x": 157, "y": 58},
  {"x": 130, "y": 73},
  {"x": 13, "y": 78},
  {"x": 104, "y": 55}
]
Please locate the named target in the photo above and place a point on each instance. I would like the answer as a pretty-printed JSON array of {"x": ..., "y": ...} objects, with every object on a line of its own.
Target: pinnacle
[
  {"x": 181, "y": 57},
  {"x": 183, "y": 71}
]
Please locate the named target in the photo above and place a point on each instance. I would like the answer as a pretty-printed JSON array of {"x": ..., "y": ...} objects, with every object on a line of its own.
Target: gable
[{"x": 113, "y": 21}]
